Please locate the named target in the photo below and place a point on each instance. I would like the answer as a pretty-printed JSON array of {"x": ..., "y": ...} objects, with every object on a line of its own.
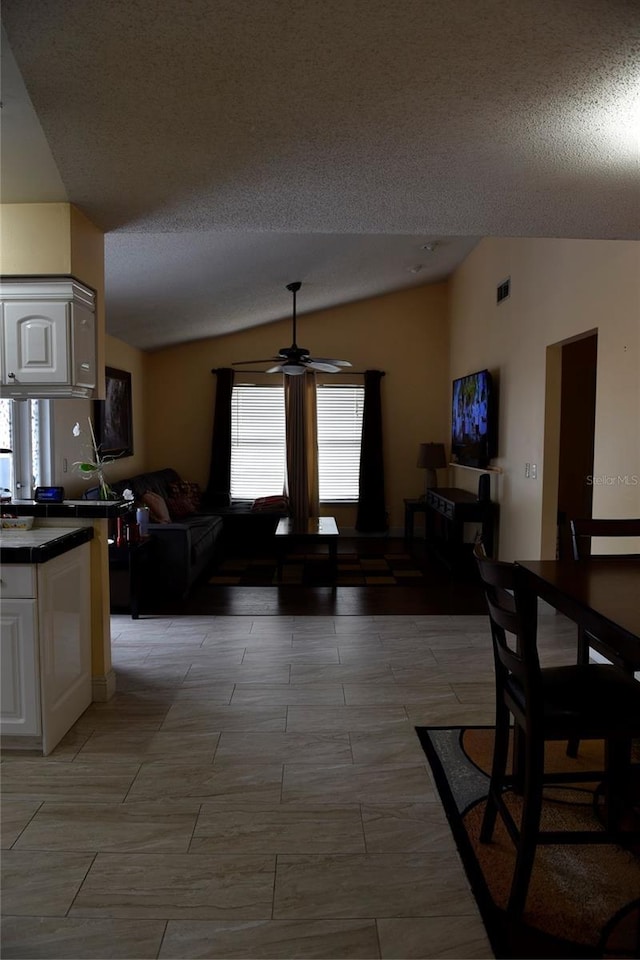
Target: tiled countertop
[
  {"x": 84, "y": 509},
  {"x": 40, "y": 543}
]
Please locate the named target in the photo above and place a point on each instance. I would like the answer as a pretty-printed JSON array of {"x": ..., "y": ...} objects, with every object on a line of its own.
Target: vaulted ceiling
[{"x": 228, "y": 147}]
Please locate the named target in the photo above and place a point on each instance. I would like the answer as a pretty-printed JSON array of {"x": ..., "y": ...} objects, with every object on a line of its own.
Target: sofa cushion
[
  {"x": 157, "y": 507},
  {"x": 202, "y": 537},
  {"x": 186, "y": 490}
]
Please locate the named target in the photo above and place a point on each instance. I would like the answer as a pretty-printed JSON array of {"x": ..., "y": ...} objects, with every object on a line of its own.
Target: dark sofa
[{"x": 181, "y": 551}]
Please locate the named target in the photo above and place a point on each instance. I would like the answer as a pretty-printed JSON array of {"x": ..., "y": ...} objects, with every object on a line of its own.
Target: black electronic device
[
  {"x": 474, "y": 420},
  {"x": 484, "y": 487},
  {"x": 49, "y": 494}
]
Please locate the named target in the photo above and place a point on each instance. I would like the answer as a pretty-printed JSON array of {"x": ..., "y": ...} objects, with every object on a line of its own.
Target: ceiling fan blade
[
  {"x": 335, "y": 363},
  {"x": 322, "y": 366},
  {"x": 264, "y": 360}
]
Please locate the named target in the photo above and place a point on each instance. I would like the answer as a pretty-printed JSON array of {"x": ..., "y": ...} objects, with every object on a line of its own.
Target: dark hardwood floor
[{"x": 439, "y": 593}]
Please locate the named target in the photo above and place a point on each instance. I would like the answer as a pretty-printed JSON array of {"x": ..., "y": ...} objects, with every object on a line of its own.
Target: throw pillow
[
  {"x": 187, "y": 490},
  {"x": 179, "y": 508},
  {"x": 157, "y": 507},
  {"x": 278, "y": 504}
]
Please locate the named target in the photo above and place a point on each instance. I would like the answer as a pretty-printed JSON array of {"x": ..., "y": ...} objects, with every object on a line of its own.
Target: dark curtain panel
[
  {"x": 302, "y": 446},
  {"x": 372, "y": 515},
  {"x": 218, "y": 489}
]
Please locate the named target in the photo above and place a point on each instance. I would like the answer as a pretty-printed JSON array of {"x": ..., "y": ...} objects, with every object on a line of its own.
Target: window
[
  {"x": 25, "y": 430},
  {"x": 339, "y": 438},
  {"x": 258, "y": 444},
  {"x": 258, "y": 453}
]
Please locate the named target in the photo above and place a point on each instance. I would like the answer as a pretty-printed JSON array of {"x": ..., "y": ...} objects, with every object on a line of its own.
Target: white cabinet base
[
  {"x": 65, "y": 651},
  {"x": 46, "y": 652},
  {"x": 20, "y": 695}
]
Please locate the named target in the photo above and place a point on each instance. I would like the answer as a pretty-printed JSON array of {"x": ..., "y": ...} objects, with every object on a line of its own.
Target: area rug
[
  {"x": 313, "y": 569},
  {"x": 584, "y": 900}
]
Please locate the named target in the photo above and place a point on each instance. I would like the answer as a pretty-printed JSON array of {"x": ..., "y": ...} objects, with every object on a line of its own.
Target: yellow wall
[
  {"x": 405, "y": 334},
  {"x": 87, "y": 264},
  {"x": 55, "y": 239},
  {"x": 559, "y": 289},
  {"x": 67, "y": 412},
  {"x": 35, "y": 238},
  {"x": 123, "y": 357}
]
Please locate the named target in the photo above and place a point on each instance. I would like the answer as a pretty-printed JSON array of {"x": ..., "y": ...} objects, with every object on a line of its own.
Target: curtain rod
[{"x": 343, "y": 373}]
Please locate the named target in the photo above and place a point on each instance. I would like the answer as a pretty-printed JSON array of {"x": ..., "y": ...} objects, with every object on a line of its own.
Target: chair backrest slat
[
  {"x": 520, "y": 656},
  {"x": 497, "y": 575},
  {"x": 582, "y": 530}
]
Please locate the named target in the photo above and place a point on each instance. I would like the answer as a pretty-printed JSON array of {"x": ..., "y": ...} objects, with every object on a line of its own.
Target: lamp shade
[{"x": 431, "y": 456}]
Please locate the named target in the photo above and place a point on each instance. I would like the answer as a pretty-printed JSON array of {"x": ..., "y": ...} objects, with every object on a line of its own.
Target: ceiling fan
[{"x": 295, "y": 360}]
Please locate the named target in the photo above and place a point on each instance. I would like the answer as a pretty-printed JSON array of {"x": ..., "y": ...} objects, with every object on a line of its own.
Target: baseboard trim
[
  {"x": 13, "y": 742},
  {"x": 103, "y": 688}
]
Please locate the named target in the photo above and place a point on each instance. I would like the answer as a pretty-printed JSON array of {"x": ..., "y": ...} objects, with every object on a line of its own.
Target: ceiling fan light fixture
[{"x": 293, "y": 369}]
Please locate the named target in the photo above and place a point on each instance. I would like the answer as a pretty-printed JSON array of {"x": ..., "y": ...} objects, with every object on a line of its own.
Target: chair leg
[
  {"x": 582, "y": 660},
  {"x": 617, "y": 760},
  {"x": 498, "y": 772},
  {"x": 530, "y": 825}
]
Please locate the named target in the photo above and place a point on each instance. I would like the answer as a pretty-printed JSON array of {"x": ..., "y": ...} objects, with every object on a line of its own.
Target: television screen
[{"x": 473, "y": 434}]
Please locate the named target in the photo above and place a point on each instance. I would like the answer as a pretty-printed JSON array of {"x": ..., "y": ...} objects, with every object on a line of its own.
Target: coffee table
[{"x": 322, "y": 530}]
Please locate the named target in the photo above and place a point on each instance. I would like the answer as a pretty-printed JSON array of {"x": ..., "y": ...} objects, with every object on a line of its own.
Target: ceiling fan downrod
[
  {"x": 295, "y": 360},
  {"x": 293, "y": 288}
]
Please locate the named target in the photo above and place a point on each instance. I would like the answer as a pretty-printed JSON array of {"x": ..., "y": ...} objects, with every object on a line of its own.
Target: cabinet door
[
  {"x": 36, "y": 342},
  {"x": 84, "y": 345},
  {"x": 65, "y": 642},
  {"x": 20, "y": 712}
]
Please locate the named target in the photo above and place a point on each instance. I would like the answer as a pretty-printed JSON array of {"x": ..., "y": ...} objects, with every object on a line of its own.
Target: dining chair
[
  {"x": 503, "y": 597},
  {"x": 590, "y": 702}
]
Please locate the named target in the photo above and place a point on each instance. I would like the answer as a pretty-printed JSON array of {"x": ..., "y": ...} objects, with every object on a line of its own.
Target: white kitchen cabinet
[
  {"x": 20, "y": 704},
  {"x": 45, "y": 649},
  {"x": 48, "y": 338}
]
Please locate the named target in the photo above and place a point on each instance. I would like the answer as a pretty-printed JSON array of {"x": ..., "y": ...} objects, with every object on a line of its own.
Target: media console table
[{"x": 447, "y": 511}]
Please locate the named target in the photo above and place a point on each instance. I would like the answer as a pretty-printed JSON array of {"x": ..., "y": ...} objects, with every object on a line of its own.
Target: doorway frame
[{"x": 551, "y": 442}]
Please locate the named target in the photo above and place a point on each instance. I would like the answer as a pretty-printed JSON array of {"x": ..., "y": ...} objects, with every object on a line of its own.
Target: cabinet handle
[{"x": 12, "y": 376}]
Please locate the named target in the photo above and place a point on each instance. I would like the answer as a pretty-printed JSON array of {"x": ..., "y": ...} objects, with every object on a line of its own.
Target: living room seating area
[{"x": 189, "y": 534}]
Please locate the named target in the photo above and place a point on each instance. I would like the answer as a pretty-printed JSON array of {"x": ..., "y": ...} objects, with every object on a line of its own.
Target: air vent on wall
[{"x": 503, "y": 290}]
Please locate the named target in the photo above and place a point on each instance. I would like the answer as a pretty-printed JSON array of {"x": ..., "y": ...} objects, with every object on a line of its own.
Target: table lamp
[{"x": 431, "y": 456}]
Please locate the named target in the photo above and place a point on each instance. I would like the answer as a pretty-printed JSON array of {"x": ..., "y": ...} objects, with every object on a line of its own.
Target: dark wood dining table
[{"x": 603, "y": 596}]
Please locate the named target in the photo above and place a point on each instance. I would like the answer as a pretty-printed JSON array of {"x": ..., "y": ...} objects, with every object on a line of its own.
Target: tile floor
[{"x": 254, "y": 790}]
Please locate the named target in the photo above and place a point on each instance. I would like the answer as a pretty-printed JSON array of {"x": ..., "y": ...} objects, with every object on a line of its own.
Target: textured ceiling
[{"x": 230, "y": 146}]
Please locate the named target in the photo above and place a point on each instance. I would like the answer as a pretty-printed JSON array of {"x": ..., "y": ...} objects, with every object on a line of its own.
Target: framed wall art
[{"x": 113, "y": 416}]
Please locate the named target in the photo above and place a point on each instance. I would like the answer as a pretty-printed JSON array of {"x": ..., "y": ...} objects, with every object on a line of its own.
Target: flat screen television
[{"x": 473, "y": 420}]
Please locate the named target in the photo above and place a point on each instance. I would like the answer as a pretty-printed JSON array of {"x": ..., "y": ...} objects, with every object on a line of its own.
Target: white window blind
[
  {"x": 258, "y": 453},
  {"x": 25, "y": 430},
  {"x": 339, "y": 438}
]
